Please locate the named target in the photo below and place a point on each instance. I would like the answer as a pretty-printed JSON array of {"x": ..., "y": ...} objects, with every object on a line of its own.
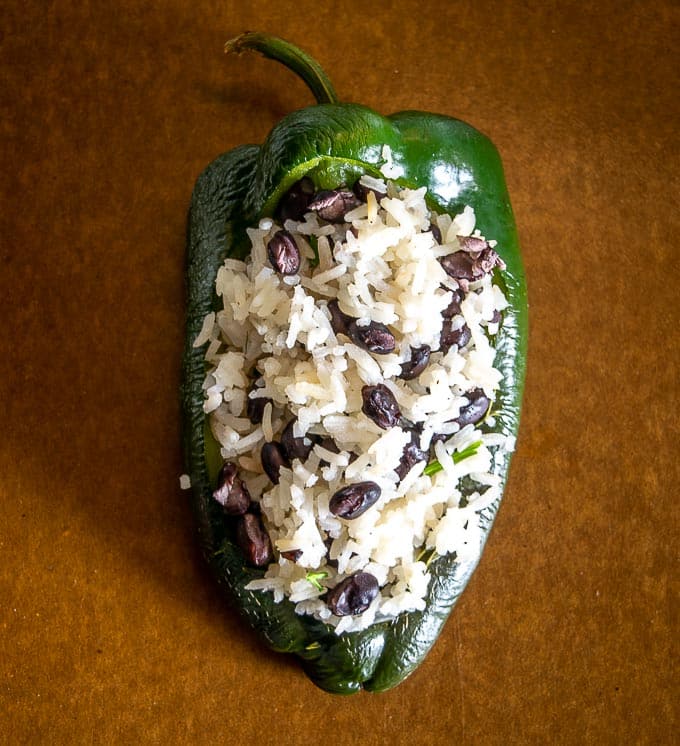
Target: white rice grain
[{"x": 206, "y": 330}]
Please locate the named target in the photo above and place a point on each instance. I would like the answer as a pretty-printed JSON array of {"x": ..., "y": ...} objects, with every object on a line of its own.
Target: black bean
[
  {"x": 459, "y": 265},
  {"x": 340, "y": 321},
  {"x": 472, "y": 244},
  {"x": 453, "y": 308},
  {"x": 328, "y": 541},
  {"x": 283, "y": 253},
  {"x": 231, "y": 493},
  {"x": 295, "y": 447},
  {"x": 352, "y": 595},
  {"x": 255, "y": 508},
  {"x": 361, "y": 192},
  {"x": 475, "y": 410},
  {"x": 496, "y": 318},
  {"x": 420, "y": 357},
  {"x": 411, "y": 455},
  {"x": 355, "y": 499},
  {"x": 489, "y": 259},
  {"x": 436, "y": 233},
  {"x": 329, "y": 444},
  {"x": 380, "y": 406},
  {"x": 255, "y": 407},
  {"x": 273, "y": 457},
  {"x": 295, "y": 202},
  {"x": 253, "y": 540},
  {"x": 451, "y": 337},
  {"x": 475, "y": 259},
  {"x": 333, "y": 204},
  {"x": 375, "y": 337},
  {"x": 292, "y": 554}
]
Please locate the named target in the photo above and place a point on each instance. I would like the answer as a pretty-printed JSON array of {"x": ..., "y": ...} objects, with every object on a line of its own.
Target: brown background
[{"x": 111, "y": 630}]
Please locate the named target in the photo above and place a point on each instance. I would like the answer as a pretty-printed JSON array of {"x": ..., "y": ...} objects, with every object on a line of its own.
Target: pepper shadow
[{"x": 256, "y": 103}]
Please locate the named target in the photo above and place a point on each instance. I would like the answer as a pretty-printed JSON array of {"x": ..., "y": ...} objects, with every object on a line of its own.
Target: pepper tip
[{"x": 235, "y": 45}]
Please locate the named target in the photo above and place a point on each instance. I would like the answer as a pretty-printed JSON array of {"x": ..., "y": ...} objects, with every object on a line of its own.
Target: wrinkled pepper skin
[{"x": 333, "y": 144}]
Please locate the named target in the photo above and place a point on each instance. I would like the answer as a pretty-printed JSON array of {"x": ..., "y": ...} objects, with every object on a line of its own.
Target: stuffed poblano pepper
[{"x": 353, "y": 374}]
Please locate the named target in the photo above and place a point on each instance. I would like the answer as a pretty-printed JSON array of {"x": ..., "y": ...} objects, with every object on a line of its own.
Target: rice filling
[{"x": 350, "y": 369}]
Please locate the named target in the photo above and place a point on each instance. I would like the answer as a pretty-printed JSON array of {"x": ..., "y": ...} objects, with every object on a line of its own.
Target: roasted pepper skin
[{"x": 333, "y": 144}]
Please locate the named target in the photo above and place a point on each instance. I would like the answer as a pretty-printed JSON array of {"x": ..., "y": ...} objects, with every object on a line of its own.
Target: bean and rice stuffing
[{"x": 350, "y": 388}]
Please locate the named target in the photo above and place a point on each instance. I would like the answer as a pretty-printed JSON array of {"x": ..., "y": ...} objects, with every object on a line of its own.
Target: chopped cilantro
[
  {"x": 315, "y": 577},
  {"x": 434, "y": 466}
]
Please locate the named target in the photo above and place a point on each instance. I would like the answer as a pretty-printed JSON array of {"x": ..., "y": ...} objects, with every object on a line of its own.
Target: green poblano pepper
[{"x": 333, "y": 144}]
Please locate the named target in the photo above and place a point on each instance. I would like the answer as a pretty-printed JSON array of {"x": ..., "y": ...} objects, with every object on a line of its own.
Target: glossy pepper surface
[{"x": 333, "y": 144}]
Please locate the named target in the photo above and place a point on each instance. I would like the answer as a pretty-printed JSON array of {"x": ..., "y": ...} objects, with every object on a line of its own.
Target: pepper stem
[{"x": 293, "y": 58}]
